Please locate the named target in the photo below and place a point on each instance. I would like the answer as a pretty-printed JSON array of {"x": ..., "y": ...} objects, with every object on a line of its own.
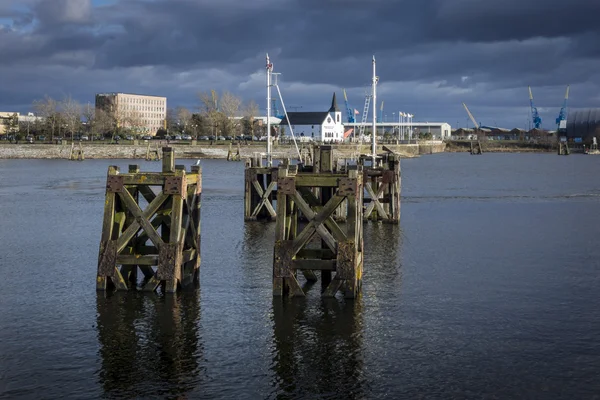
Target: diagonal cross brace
[
  {"x": 141, "y": 219},
  {"x": 264, "y": 197},
  {"x": 316, "y": 222},
  {"x": 375, "y": 201},
  {"x": 330, "y": 223}
]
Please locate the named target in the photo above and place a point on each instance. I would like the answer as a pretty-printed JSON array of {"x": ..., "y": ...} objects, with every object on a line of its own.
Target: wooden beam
[{"x": 306, "y": 264}]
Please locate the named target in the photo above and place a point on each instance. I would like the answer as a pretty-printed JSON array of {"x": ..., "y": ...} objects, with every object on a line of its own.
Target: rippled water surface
[{"x": 488, "y": 289}]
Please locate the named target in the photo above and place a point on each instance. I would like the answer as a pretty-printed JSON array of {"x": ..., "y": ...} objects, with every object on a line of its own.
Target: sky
[{"x": 432, "y": 55}]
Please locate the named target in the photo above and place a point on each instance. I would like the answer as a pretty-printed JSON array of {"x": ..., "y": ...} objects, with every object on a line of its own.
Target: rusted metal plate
[
  {"x": 389, "y": 176},
  {"x": 175, "y": 185},
  {"x": 108, "y": 258},
  {"x": 348, "y": 186},
  {"x": 286, "y": 185},
  {"x": 114, "y": 184}
]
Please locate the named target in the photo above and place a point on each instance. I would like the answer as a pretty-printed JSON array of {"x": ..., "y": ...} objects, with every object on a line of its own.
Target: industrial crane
[
  {"x": 535, "y": 116},
  {"x": 275, "y": 109},
  {"x": 561, "y": 121},
  {"x": 475, "y": 124},
  {"x": 349, "y": 113}
]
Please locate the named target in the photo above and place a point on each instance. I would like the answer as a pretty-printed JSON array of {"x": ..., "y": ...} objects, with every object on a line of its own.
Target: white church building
[{"x": 324, "y": 126}]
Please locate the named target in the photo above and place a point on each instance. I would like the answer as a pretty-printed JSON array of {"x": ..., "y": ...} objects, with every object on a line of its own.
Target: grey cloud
[{"x": 424, "y": 50}]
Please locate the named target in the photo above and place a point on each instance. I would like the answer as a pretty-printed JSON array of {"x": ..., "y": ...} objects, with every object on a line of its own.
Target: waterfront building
[
  {"x": 141, "y": 113},
  {"x": 583, "y": 125},
  {"x": 324, "y": 126},
  {"x": 6, "y": 120}
]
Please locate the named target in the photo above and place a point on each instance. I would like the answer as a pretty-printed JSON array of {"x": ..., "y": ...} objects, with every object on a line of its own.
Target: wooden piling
[
  {"x": 563, "y": 149},
  {"x": 76, "y": 153},
  {"x": 162, "y": 239},
  {"x": 259, "y": 190},
  {"x": 316, "y": 195},
  {"x": 383, "y": 186},
  {"x": 476, "y": 148},
  {"x": 152, "y": 154}
]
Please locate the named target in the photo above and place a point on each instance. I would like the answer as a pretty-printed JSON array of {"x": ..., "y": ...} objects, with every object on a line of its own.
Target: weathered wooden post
[
  {"x": 76, "y": 153},
  {"x": 162, "y": 239},
  {"x": 316, "y": 196},
  {"x": 152, "y": 155}
]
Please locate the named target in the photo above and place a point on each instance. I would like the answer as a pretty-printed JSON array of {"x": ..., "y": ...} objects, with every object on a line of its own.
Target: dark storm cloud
[{"x": 431, "y": 53}]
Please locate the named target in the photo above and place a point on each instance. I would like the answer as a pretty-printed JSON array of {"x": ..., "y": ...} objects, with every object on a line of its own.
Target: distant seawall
[
  {"x": 501, "y": 146},
  {"x": 130, "y": 151},
  {"x": 205, "y": 150}
]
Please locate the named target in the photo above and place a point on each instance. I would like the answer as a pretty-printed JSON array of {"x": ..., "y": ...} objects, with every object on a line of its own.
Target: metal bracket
[
  {"x": 114, "y": 184},
  {"x": 347, "y": 186},
  {"x": 175, "y": 185},
  {"x": 286, "y": 185}
]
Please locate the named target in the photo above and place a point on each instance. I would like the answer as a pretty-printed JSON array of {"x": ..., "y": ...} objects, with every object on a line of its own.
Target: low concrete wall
[{"x": 130, "y": 151}]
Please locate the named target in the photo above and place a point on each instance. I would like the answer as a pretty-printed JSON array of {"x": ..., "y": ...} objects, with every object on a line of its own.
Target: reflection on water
[
  {"x": 149, "y": 345},
  {"x": 487, "y": 289},
  {"x": 318, "y": 348}
]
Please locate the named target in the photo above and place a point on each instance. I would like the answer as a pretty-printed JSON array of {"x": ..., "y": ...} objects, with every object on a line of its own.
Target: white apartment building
[{"x": 145, "y": 114}]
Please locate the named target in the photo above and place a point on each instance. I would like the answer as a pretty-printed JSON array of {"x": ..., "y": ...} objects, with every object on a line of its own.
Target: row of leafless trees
[
  {"x": 66, "y": 118},
  {"x": 214, "y": 116}
]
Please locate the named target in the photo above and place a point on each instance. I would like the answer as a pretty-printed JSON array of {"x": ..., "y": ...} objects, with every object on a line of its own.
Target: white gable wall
[{"x": 332, "y": 129}]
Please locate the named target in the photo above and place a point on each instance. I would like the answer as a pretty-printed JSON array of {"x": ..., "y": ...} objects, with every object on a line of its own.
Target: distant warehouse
[{"x": 584, "y": 124}]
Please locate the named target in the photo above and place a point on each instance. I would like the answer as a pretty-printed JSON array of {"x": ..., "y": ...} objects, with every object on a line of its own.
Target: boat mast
[
  {"x": 269, "y": 71},
  {"x": 374, "y": 132}
]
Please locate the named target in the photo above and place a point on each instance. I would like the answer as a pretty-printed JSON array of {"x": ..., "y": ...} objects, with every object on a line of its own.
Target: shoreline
[{"x": 220, "y": 151}]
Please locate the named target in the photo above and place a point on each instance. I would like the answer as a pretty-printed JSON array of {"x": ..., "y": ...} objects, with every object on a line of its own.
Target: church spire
[{"x": 334, "y": 106}]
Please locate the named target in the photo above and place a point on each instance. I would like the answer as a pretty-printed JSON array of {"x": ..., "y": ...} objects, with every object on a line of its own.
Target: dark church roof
[
  {"x": 304, "y": 118},
  {"x": 310, "y": 118},
  {"x": 334, "y": 106}
]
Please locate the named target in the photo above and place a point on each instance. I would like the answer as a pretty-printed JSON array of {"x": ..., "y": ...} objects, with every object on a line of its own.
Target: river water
[{"x": 488, "y": 289}]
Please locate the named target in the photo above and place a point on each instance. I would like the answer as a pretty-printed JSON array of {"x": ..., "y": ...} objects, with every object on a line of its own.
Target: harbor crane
[
  {"x": 475, "y": 124},
  {"x": 561, "y": 121},
  {"x": 276, "y": 112},
  {"x": 535, "y": 116},
  {"x": 349, "y": 112},
  {"x": 361, "y": 128}
]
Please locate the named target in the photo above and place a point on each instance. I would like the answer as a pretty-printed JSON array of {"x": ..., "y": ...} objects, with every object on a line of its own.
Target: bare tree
[
  {"x": 230, "y": 106},
  {"x": 103, "y": 122},
  {"x": 209, "y": 110},
  {"x": 134, "y": 121},
  {"x": 251, "y": 111},
  {"x": 47, "y": 108},
  {"x": 89, "y": 119},
  {"x": 184, "y": 117},
  {"x": 71, "y": 111}
]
